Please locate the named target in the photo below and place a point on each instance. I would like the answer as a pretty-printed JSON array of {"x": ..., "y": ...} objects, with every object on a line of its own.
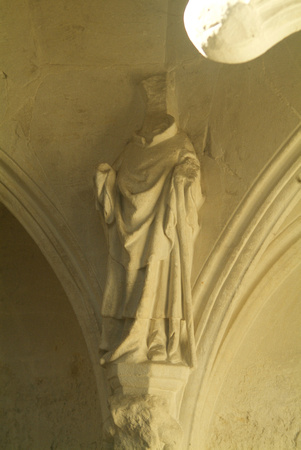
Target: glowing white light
[{"x": 235, "y": 31}]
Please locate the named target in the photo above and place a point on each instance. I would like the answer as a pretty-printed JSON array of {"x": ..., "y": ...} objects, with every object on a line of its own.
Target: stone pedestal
[{"x": 145, "y": 405}]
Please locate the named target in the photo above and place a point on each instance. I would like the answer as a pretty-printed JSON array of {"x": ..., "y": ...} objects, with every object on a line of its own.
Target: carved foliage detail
[{"x": 141, "y": 421}]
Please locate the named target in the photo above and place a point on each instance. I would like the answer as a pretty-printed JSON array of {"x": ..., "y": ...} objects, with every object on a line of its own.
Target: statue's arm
[
  {"x": 105, "y": 179},
  {"x": 190, "y": 172},
  {"x": 188, "y": 169},
  {"x": 186, "y": 178}
]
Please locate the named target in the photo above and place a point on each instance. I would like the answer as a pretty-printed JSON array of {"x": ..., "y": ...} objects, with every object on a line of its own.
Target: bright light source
[{"x": 235, "y": 31}]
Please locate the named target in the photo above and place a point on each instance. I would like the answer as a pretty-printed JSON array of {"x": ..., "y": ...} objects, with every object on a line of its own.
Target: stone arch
[
  {"x": 221, "y": 289},
  {"x": 45, "y": 224}
]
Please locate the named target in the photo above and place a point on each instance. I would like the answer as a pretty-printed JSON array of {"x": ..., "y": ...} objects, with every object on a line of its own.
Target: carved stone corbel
[
  {"x": 149, "y": 201},
  {"x": 145, "y": 405}
]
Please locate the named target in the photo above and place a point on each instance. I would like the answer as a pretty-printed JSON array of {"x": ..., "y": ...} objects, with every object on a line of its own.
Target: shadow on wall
[{"x": 48, "y": 390}]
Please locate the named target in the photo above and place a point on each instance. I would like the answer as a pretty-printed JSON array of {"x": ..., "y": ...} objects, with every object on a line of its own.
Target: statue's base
[
  {"x": 145, "y": 404},
  {"x": 157, "y": 379}
]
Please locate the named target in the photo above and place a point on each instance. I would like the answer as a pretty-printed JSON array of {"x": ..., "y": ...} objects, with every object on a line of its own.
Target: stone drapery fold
[{"x": 150, "y": 200}]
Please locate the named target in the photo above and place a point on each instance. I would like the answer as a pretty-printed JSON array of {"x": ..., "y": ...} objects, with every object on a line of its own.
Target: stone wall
[
  {"x": 48, "y": 391},
  {"x": 69, "y": 100}
]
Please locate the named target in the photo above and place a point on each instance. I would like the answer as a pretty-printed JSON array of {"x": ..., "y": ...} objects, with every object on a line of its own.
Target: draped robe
[{"x": 149, "y": 201}]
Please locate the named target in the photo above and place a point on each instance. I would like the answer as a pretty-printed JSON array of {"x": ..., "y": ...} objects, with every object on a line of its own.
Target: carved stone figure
[{"x": 149, "y": 201}]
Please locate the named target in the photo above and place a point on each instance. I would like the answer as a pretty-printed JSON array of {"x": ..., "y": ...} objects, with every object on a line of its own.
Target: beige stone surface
[
  {"x": 259, "y": 405},
  {"x": 60, "y": 119},
  {"x": 69, "y": 100},
  {"x": 47, "y": 381}
]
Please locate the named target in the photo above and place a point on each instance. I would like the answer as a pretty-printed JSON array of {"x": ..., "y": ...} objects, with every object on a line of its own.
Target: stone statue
[{"x": 149, "y": 201}]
